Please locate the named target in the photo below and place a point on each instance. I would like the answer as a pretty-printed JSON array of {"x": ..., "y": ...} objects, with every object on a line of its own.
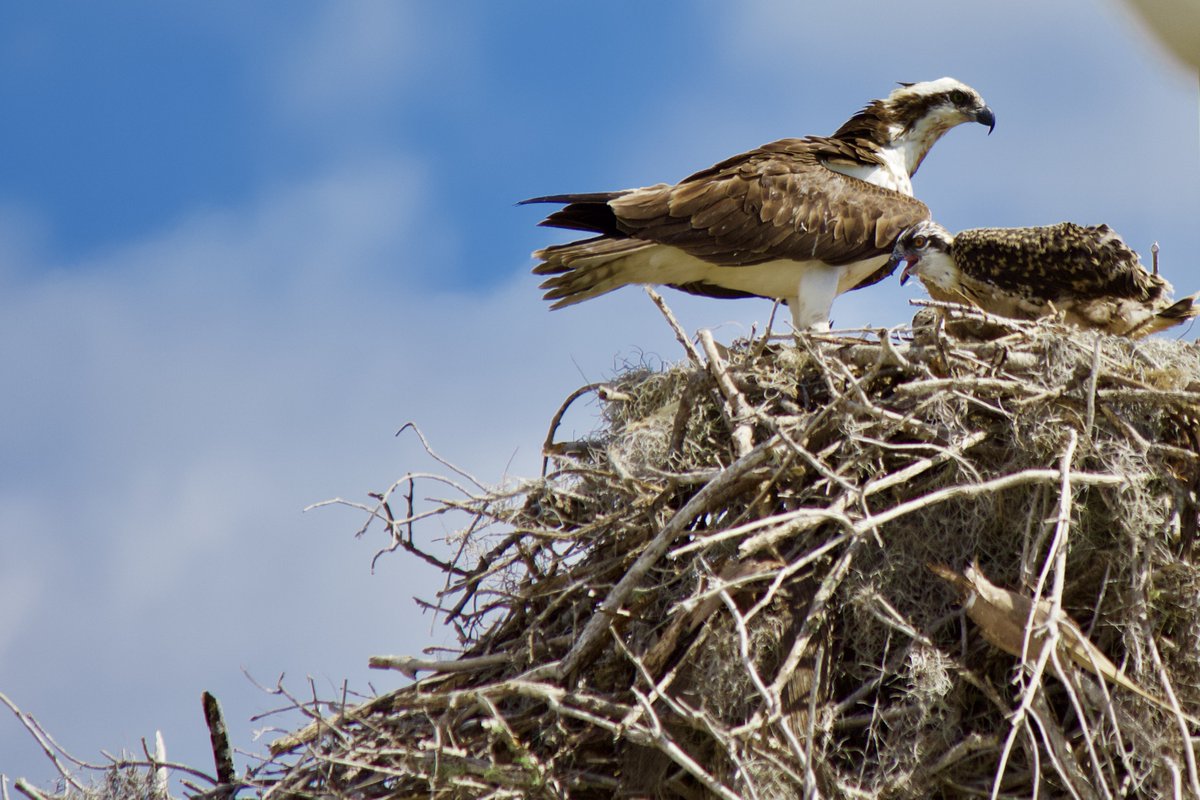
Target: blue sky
[{"x": 242, "y": 244}]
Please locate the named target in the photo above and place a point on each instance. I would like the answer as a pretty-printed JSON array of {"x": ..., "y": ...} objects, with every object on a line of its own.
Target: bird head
[
  {"x": 910, "y": 120},
  {"x": 925, "y": 250},
  {"x": 938, "y": 105}
]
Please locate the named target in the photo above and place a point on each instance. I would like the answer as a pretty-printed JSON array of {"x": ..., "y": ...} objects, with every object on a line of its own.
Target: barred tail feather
[
  {"x": 1182, "y": 309},
  {"x": 1178, "y": 312},
  {"x": 589, "y": 268}
]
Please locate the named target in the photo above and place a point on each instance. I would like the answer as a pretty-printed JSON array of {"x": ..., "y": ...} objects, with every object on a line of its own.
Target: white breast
[{"x": 890, "y": 175}]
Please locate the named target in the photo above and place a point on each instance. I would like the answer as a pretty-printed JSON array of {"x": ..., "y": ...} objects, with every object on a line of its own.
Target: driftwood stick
[
  {"x": 1093, "y": 380},
  {"x": 549, "y": 447},
  {"x": 987, "y": 487},
  {"x": 161, "y": 774},
  {"x": 806, "y": 518},
  {"x": 973, "y": 312},
  {"x": 410, "y": 665},
  {"x": 24, "y": 787},
  {"x": 739, "y": 411},
  {"x": 676, "y": 328}
]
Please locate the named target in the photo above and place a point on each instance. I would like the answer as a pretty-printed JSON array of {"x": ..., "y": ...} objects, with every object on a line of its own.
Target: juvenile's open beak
[
  {"x": 909, "y": 259},
  {"x": 893, "y": 262},
  {"x": 985, "y": 116}
]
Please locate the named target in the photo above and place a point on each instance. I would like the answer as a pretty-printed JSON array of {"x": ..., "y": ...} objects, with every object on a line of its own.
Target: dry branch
[
  {"x": 219, "y": 739},
  {"x": 723, "y": 592}
]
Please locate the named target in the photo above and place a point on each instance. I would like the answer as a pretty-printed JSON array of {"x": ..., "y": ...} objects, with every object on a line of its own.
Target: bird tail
[
  {"x": 1178, "y": 312},
  {"x": 582, "y": 212},
  {"x": 1181, "y": 310},
  {"x": 588, "y": 268}
]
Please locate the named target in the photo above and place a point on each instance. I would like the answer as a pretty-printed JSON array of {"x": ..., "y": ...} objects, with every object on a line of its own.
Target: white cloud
[{"x": 350, "y": 62}]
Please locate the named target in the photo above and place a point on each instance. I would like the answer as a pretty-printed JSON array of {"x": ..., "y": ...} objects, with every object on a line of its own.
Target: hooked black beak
[
  {"x": 985, "y": 116},
  {"x": 891, "y": 265}
]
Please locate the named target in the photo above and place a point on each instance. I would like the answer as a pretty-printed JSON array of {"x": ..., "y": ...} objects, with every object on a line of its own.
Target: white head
[
  {"x": 913, "y": 117},
  {"x": 925, "y": 250},
  {"x": 929, "y": 109}
]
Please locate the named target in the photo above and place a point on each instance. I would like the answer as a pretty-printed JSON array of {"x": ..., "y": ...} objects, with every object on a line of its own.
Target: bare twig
[
  {"x": 27, "y": 789},
  {"x": 712, "y": 492},
  {"x": 161, "y": 774},
  {"x": 429, "y": 450},
  {"x": 48, "y": 745},
  {"x": 549, "y": 447},
  {"x": 1093, "y": 381},
  {"x": 1181, "y": 719},
  {"x": 410, "y": 666},
  {"x": 676, "y": 328},
  {"x": 739, "y": 410}
]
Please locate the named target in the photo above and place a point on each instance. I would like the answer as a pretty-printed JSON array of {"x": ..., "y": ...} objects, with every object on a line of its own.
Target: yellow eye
[{"x": 920, "y": 241}]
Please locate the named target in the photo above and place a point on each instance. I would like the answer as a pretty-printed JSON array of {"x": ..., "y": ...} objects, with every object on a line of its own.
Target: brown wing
[
  {"x": 1054, "y": 262},
  {"x": 775, "y": 202}
]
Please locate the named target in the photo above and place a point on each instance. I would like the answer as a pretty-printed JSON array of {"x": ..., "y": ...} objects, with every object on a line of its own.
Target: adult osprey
[
  {"x": 802, "y": 220},
  {"x": 1086, "y": 272}
]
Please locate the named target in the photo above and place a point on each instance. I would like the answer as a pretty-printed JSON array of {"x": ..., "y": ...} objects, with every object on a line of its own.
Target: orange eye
[{"x": 920, "y": 241}]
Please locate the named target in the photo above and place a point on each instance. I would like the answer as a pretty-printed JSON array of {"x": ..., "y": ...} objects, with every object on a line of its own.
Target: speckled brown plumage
[
  {"x": 1086, "y": 272},
  {"x": 1056, "y": 262}
]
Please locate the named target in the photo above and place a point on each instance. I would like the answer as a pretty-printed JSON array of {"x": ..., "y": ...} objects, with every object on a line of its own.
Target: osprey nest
[{"x": 906, "y": 563}]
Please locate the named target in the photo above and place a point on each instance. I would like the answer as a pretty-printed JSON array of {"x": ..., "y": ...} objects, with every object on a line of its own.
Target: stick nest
[{"x": 725, "y": 592}]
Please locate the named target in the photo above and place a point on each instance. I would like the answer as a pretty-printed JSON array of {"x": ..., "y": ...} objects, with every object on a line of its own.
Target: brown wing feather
[
  {"x": 1054, "y": 262},
  {"x": 776, "y": 202}
]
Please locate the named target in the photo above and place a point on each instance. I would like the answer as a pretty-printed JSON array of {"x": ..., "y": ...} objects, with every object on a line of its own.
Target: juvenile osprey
[
  {"x": 802, "y": 220},
  {"x": 1088, "y": 273}
]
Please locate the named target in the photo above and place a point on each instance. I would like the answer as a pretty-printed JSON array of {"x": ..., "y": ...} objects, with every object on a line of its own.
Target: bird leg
[{"x": 815, "y": 292}]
